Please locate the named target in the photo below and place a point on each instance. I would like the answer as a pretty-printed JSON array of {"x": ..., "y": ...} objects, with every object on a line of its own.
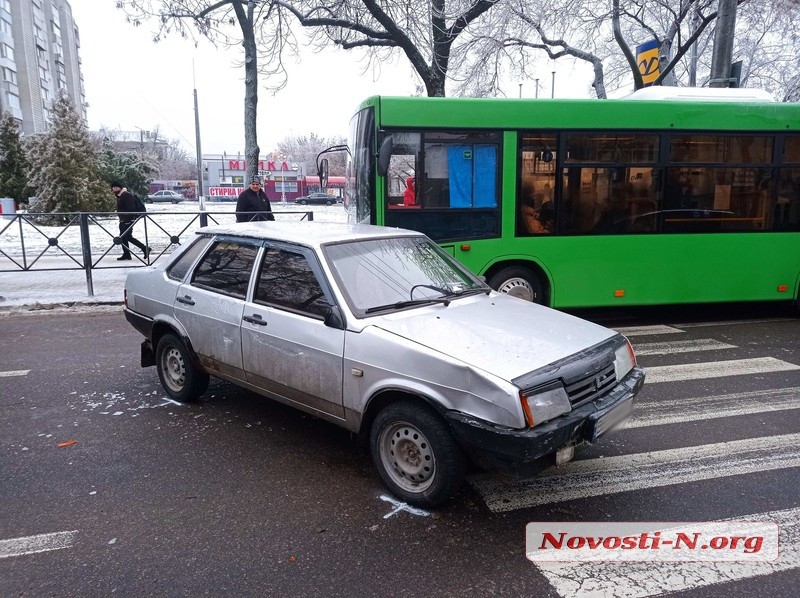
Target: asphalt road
[{"x": 135, "y": 495}]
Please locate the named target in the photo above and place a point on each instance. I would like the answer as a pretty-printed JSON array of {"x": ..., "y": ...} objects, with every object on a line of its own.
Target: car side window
[
  {"x": 226, "y": 268},
  {"x": 178, "y": 270},
  {"x": 287, "y": 280}
]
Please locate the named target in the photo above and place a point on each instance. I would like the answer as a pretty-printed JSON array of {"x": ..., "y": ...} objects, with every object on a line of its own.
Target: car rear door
[
  {"x": 209, "y": 305},
  {"x": 288, "y": 350}
]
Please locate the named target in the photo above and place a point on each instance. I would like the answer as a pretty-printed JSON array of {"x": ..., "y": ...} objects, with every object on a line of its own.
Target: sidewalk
[{"x": 25, "y": 290}]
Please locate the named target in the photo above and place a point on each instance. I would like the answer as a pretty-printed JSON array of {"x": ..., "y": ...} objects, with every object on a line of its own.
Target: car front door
[
  {"x": 210, "y": 305},
  {"x": 288, "y": 350}
]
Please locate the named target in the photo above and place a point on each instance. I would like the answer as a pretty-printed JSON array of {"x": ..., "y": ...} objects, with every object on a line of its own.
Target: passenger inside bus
[
  {"x": 538, "y": 222},
  {"x": 409, "y": 195}
]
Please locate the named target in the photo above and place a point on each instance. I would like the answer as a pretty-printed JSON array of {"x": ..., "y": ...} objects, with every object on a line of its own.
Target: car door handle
[
  {"x": 185, "y": 299},
  {"x": 255, "y": 319}
]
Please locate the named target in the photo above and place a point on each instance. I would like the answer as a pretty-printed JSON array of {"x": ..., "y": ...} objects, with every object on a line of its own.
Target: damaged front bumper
[{"x": 521, "y": 452}]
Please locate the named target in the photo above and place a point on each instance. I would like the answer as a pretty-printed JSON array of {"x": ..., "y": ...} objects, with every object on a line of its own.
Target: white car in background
[
  {"x": 165, "y": 195},
  {"x": 380, "y": 331}
]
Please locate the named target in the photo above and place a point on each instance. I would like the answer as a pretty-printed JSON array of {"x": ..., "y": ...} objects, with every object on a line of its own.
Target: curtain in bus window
[
  {"x": 485, "y": 195},
  {"x": 460, "y": 165},
  {"x": 473, "y": 179}
]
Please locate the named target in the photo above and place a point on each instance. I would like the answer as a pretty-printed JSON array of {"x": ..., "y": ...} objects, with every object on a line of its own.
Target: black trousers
[{"x": 126, "y": 235}]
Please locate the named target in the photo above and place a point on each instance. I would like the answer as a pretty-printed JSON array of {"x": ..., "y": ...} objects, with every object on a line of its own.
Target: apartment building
[{"x": 39, "y": 56}]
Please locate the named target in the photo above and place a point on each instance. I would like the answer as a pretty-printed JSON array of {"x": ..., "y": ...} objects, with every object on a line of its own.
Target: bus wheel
[{"x": 519, "y": 282}]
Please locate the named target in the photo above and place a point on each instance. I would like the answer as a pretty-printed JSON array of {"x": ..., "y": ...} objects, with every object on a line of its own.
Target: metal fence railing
[{"x": 90, "y": 241}]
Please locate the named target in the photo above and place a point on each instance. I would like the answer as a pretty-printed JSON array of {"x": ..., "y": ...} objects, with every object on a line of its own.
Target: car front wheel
[
  {"x": 182, "y": 380},
  {"x": 416, "y": 455}
]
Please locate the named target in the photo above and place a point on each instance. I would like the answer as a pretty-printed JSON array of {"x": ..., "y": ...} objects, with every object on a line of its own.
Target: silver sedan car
[
  {"x": 380, "y": 331},
  {"x": 165, "y": 195}
]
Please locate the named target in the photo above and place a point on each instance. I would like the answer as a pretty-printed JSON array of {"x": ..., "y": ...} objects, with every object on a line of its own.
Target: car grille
[{"x": 592, "y": 386}]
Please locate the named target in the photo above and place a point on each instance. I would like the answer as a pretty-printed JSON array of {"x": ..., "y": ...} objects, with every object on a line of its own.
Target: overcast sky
[{"x": 132, "y": 83}]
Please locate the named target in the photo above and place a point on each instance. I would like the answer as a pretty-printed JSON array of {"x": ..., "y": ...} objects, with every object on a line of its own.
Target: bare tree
[
  {"x": 429, "y": 33},
  {"x": 262, "y": 32},
  {"x": 304, "y": 149}
]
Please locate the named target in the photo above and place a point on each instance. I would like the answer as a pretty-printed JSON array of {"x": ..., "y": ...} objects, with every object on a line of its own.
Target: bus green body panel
[
  {"x": 653, "y": 269},
  {"x": 582, "y": 270}
]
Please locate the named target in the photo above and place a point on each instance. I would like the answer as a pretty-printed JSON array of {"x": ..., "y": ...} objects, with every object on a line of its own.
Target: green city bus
[{"x": 578, "y": 203}]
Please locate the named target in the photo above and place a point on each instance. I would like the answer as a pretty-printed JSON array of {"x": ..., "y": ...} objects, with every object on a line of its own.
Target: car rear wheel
[
  {"x": 416, "y": 455},
  {"x": 519, "y": 282},
  {"x": 303, "y": 202},
  {"x": 328, "y": 202},
  {"x": 182, "y": 380}
]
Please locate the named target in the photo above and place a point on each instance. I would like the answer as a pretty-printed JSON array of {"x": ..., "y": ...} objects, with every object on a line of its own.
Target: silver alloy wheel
[
  {"x": 407, "y": 456},
  {"x": 518, "y": 287},
  {"x": 174, "y": 369}
]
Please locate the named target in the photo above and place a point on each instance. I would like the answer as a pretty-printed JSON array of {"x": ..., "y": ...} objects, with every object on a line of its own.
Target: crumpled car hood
[{"x": 502, "y": 335}]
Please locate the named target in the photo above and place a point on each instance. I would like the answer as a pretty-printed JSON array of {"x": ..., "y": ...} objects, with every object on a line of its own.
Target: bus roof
[{"x": 587, "y": 114}]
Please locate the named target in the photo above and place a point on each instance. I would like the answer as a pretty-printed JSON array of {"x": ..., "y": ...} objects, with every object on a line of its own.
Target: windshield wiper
[
  {"x": 410, "y": 303},
  {"x": 470, "y": 291}
]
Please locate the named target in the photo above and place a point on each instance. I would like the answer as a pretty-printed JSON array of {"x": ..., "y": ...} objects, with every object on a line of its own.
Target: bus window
[
  {"x": 787, "y": 204},
  {"x": 721, "y": 149},
  {"x": 444, "y": 183},
  {"x": 400, "y": 180},
  {"x": 537, "y": 170}
]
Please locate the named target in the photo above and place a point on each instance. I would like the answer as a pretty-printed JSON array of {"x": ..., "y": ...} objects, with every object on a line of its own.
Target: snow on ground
[{"x": 55, "y": 277}]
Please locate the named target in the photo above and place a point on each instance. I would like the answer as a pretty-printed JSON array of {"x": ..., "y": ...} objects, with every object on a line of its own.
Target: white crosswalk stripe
[
  {"x": 661, "y": 413},
  {"x": 611, "y": 475},
  {"x": 34, "y": 544},
  {"x": 717, "y": 369},
  {"x": 636, "y": 580},
  {"x": 12, "y": 373},
  {"x": 667, "y": 348},
  {"x": 648, "y": 330}
]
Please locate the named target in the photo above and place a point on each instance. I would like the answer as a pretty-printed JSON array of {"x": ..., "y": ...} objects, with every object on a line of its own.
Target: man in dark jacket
[
  {"x": 253, "y": 204},
  {"x": 126, "y": 209}
]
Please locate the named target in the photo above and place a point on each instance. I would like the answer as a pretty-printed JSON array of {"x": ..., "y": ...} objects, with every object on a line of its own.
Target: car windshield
[{"x": 386, "y": 274}]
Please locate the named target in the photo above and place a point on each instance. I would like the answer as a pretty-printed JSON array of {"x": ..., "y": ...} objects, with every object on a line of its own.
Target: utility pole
[{"x": 723, "y": 44}]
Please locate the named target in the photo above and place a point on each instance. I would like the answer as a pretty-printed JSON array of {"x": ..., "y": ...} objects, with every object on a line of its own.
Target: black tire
[
  {"x": 303, "y": 202},
  {"x": 182, "y": 380},
  {"x": 519, "y": 282},
  {"x": 328, "y": 202},
  {"x": 416, "y": 455}
]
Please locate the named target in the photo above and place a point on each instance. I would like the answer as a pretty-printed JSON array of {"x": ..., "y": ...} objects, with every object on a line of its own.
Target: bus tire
[{"x": 519, "y": 282}]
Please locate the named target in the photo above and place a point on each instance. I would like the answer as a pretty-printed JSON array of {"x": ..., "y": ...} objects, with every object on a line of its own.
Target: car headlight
[
  {"x": 624, "y": 360},
  {"x": 543, "y": 403}
]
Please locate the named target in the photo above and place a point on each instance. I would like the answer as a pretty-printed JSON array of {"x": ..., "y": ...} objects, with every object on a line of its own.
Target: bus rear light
[
  {"x": 619, "y": 293},
  {"x": 466, "y": 247},
  {"x": 782, "y": 288}
]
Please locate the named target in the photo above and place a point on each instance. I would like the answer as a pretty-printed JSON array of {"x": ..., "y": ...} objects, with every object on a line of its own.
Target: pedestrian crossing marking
[
  {"x": 38, "y": 543},
  {"x": 717, "y": 369},
  {"x": 11, "y": 373},
  {"x": 640, "y": 579},
  {"x": 629, "y": 331},
  {"x": 670, "y": 347},
  {"x": 611, "y": 475},
  {"x": 659, "y": 413}
]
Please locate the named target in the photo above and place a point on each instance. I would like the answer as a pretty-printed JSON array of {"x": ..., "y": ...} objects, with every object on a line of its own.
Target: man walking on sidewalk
[{"x": 126, "y": 209}]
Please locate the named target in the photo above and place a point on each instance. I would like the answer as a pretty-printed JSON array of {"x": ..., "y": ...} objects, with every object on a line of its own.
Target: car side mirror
[
  {"x": 323, "y": 173},
  {"x": 334, "y": 318}
]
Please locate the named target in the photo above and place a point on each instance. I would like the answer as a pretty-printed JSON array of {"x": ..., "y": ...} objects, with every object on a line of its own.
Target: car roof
[{"x": 313, "y": 234}]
